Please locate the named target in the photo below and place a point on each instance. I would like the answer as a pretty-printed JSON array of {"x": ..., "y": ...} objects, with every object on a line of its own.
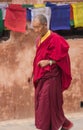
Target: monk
[{"x": 51, "y": 76}]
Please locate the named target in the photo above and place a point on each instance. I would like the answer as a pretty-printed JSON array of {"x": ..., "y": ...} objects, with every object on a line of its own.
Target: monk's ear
[{"x": 45, "y": 25}]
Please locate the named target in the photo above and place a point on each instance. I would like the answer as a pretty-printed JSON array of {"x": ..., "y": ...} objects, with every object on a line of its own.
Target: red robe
[
  {"x": 56, "y": 48},
  {"x": 49, "y": 83}
]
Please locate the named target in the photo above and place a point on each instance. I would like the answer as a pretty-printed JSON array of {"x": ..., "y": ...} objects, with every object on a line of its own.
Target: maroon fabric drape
[
  {"x": 55, "y": 48},
  {"x": 49, "y": 114}
]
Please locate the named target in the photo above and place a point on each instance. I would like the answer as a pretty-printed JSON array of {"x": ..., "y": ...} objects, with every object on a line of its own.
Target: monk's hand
[{"x": 43, "y": 63}]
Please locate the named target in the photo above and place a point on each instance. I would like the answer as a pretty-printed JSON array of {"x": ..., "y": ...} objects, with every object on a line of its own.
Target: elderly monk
[{"x": 51, "y": 76}]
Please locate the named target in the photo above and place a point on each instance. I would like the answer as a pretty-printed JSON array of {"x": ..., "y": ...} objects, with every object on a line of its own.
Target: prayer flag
[
  {"x": 16, "y": 18},
  {"x": 78, "y": 14}
]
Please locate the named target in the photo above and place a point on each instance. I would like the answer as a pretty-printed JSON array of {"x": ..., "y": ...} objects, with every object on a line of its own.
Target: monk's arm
[{"x": 44, "y": 63}]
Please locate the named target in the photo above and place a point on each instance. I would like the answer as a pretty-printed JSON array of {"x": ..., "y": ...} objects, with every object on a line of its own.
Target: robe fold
[{"x": 54, "y": 47}]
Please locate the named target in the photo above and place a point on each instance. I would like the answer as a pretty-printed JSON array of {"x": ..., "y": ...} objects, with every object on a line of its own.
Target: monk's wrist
[{"x": 50, "y": 62}]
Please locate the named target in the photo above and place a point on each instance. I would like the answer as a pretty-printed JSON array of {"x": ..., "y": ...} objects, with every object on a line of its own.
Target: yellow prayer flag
[
  {"x": 39, "y": 5},
  {"x": 78, "y": 14}
]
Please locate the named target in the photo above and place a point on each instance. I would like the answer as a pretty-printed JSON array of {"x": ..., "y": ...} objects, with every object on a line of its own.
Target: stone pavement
[{"x": 28, "y": 124}]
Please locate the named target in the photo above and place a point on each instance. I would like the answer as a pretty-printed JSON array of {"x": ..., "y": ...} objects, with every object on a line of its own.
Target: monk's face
[{"x": 39, "y": 28}]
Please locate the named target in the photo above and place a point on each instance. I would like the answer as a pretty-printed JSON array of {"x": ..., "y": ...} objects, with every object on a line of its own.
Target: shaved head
[
  {"x": 42, "y": 19},
  {"x": 40, "y": 24}
]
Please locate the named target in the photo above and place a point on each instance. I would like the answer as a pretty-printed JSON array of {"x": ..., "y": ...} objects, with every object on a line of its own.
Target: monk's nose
[{"x": 36, "y": 30}]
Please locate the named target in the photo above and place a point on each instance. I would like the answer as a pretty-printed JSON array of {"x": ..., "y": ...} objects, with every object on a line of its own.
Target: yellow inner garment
[{"x": 44, "y": 37}]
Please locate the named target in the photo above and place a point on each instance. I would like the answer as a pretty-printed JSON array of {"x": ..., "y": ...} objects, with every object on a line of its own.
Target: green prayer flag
[{"x": 1, "y": 21}]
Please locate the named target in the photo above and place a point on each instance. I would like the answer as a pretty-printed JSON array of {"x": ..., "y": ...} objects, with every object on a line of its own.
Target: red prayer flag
[{"x": 15, "y": 19}]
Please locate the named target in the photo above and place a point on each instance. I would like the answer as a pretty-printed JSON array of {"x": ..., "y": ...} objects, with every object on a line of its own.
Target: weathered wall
[
  {"x": 5, "y": 0},
  {"x": 74, "y": 95},
  {"x": 16, "y": 92},
  {"x": 42, "y": 1},
  {"x": 63, "y": 1},
  {"x": 37, "y": 1}
]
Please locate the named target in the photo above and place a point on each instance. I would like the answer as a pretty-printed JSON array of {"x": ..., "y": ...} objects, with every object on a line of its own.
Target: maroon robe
[{"x": 50, "y": 81}]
